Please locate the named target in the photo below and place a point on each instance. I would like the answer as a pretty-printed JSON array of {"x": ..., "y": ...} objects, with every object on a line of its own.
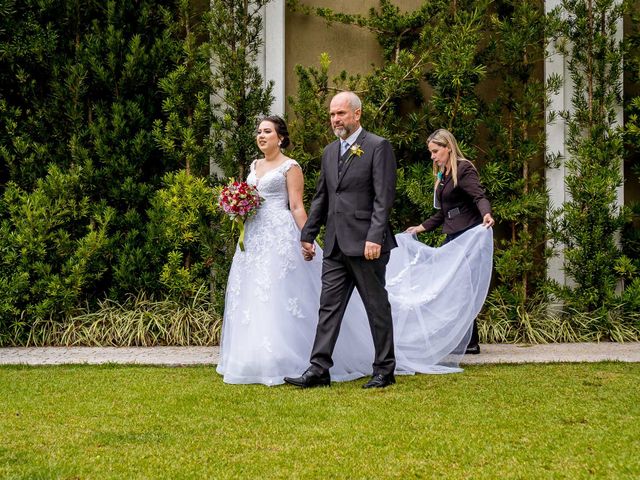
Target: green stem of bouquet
[{"x": 240, "y": 223}]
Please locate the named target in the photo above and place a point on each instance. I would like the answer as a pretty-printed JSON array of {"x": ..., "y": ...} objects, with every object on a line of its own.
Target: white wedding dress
[{"x": 273, "y": 294}]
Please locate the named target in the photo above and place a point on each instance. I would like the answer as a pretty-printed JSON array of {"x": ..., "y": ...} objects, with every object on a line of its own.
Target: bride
[{"x": 273, "y": 294}]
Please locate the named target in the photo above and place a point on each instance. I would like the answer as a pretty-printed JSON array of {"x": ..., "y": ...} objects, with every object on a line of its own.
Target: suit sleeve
[
  {"x": 469, "y": 182},
  {"x": 317, "y": 211},
  {"x": 384, "y": 186}
]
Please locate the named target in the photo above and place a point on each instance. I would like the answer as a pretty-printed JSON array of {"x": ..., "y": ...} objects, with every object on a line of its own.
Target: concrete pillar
[
  {"x": 272, "y": 61},
  {"x": 556, "y": 134}
]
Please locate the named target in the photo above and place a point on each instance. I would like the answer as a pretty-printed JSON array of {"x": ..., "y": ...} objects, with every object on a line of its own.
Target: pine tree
[
  {"x": 588, "y": 223},
  {"x": 456, "y": 71},
  {"x": 240, "y": 96},
  {"x": 631, "y": 232},
  {"x": 513, "y": 174},
  {"x": 184, "y": 135},
  {"x": 181, "y": 211}
]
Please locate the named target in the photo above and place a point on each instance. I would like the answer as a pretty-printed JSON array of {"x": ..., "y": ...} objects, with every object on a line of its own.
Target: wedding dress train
[{"x": 272, "y": 300}]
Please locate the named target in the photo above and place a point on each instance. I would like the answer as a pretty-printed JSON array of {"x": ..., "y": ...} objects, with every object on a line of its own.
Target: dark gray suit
[{"x": 355, "y": 208}]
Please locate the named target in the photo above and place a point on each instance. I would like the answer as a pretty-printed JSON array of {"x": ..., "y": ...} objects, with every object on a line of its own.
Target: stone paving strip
[
  {"x": 556, "y": 352},
  {"x": 168, "y": 356},
  {"x": 183, "y": 356}
]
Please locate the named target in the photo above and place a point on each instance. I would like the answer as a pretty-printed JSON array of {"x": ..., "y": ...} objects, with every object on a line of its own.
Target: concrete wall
[
  {"x": 307, "y": 36},
  {"x": 350, "y": 47}
]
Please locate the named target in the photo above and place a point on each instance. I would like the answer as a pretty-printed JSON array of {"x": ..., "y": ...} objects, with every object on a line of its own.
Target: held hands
[
  {"x": 372, "y": 250},
  {"x": 308, "y": 250},
  {"x": 488, "y": 221}
]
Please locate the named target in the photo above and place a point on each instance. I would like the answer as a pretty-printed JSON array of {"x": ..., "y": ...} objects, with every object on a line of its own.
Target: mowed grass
[{"x": 125, "y": 422}]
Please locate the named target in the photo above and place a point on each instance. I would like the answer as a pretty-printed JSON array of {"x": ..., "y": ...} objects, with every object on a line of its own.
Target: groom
[{"x": 353, "y": 199}]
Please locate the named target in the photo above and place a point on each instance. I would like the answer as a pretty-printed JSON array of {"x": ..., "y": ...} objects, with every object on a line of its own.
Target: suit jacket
[
  {"x": 356, "y": 205},
  {"x": 467, "y": 197}
]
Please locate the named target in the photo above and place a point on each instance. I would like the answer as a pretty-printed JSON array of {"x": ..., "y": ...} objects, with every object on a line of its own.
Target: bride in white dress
[{"x": 273, "y": 294}]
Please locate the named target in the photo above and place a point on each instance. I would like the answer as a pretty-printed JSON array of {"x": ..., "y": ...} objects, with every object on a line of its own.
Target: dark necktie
[{"x": 343, "y": 157}]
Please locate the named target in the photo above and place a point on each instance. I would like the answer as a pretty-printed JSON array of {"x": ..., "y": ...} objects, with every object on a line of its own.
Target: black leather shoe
[
  {"x": 309, "y": 380},
  {"x": 472, "y": 350},
  {"x": 380, "y": 381}
]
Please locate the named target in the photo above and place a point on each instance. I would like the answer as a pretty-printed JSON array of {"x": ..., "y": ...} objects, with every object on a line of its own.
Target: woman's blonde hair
[{"x": 445, "y": 138}]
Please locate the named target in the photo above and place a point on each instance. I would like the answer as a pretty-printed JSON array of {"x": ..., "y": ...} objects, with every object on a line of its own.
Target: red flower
[{"x": 239, "y": 200}]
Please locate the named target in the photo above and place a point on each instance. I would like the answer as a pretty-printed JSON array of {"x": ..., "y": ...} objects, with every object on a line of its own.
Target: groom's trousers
[{"x": 340, "y": 274}]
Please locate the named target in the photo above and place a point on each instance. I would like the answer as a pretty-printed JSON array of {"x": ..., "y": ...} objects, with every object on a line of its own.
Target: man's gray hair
[{"x": 355, "y": 101}]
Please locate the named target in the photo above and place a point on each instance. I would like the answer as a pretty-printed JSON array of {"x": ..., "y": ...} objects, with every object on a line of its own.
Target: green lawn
[{"x": 537, "y": 421}]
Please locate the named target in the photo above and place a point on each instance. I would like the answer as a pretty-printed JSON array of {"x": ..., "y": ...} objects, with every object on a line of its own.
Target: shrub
[{"x": 56, "y": 250}]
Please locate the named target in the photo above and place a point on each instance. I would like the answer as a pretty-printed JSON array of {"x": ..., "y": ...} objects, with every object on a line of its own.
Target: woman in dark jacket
[{"x": 458, "y": 196}]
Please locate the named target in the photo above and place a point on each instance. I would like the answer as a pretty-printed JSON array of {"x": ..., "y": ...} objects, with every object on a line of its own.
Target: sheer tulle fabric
[{"x": 273, "y": 296}]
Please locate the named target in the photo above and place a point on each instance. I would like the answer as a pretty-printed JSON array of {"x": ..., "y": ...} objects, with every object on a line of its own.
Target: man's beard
[{"x": 342, "y": 132}]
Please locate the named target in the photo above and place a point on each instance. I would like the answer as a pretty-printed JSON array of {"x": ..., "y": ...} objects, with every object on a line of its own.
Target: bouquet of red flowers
[{"x": 239, "y": 201}]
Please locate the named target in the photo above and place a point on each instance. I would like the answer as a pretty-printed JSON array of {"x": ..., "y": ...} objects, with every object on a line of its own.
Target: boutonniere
[{"x": 356, "y": 150}]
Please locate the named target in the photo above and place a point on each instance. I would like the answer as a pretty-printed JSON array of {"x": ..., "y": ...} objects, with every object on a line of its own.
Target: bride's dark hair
[{"x": 281, "y": 129}]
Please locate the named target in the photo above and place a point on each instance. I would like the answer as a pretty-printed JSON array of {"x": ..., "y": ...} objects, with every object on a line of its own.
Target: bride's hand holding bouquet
[{"x": 239, "y": 200}]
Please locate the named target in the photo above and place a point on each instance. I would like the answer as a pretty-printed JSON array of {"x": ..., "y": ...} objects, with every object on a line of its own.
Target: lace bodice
[{"x": 272, "y": 185}]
